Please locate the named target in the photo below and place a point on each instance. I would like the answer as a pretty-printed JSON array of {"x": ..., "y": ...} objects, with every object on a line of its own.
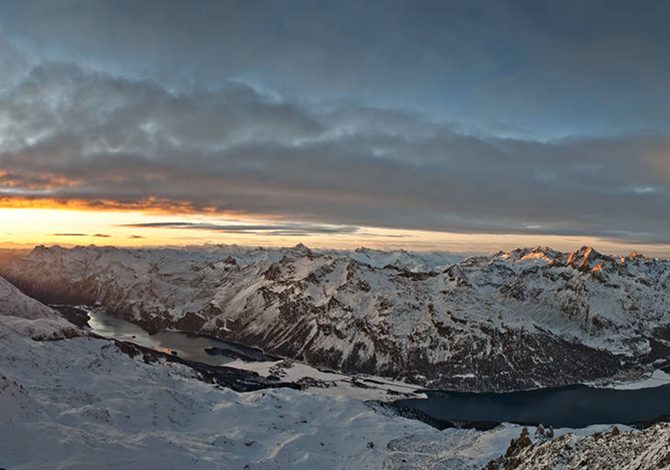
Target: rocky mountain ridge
[
  {"x": 601, "y": 450},
  {"x": 513, "y": 320}
]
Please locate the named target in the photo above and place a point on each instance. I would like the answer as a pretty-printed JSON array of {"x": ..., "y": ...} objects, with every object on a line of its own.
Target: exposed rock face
[
  {"x": 522, "y": 319},
  {"x": 648, "y": 449}
]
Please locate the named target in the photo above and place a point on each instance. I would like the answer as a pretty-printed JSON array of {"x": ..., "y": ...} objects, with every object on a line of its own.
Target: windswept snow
[{"x": 81, "y": 403}]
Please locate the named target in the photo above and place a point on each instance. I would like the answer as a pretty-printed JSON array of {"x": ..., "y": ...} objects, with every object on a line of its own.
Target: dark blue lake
[{"x": 573, "y": 406}]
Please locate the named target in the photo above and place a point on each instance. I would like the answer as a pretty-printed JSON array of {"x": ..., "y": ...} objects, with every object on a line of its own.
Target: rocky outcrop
[{"x": 639, "y": 450}]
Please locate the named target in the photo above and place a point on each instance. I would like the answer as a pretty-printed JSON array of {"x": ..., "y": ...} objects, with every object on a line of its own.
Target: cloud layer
[
  {"x": 272, "y": 229},
  {"x": 538, "y": 67},
  {"x": 90, "y": 133}
]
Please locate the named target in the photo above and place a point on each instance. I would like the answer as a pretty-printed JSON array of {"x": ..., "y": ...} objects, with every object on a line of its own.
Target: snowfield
[{"x": 81, "y": 403}]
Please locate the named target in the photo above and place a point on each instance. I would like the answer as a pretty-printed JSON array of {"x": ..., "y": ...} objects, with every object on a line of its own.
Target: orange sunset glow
[
  {"x": 105, "y": 142},
  {"x": 25, "y": 226}
]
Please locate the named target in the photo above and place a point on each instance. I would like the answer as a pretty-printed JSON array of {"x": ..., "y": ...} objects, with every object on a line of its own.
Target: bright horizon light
[{"x": 27, "y": 227}]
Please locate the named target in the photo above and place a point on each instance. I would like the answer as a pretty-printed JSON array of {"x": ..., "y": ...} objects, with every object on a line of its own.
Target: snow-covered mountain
[
  {"x": 512, "y": 320},
  {"x": 25, "y": 315},
  {"x": 74, "y": 401},
  {"x": 81, "y": 402}
]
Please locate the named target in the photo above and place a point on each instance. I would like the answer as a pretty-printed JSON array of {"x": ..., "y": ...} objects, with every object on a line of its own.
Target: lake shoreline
[{"x": 439, "y": 408}]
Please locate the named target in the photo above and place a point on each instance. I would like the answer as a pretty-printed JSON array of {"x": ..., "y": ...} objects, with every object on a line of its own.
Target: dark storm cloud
[
  {"x": 252, "y": 123},
  {"x": 524, "y": 67}
]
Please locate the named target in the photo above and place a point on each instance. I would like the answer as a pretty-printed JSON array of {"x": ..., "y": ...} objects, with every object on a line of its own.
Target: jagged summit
[
  {"x": 586, "y": 258},
  {"x": 528, "y": 253},
  {"x": 635, "y": 256},
  {"x": 302, "y": 250},
  {"x": 542, "y": 252},
  {"x": 543, "y": 249}
]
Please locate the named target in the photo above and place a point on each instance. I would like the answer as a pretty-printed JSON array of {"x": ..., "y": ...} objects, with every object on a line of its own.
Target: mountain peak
[
  {"x": 540, "y": 252},
  {"x": 585, "y": 258},
  {"x": 536, "y": 252},
  {"x": 302, "y": 250},
  {"x": 633, "y": 255}
]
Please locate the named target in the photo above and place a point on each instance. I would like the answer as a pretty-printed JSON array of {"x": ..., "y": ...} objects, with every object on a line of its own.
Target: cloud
[
  {"x": 278, "y": 229},
  {"x": 542, "y": 68},
  {"x": 74, "y": 234},
  {"x": 79, "y": 136}
]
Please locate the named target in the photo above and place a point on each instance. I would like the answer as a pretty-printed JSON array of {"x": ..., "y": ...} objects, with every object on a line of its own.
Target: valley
[
  {"x": 188, "y": 355},
  {"x": 509, "y": 321}
]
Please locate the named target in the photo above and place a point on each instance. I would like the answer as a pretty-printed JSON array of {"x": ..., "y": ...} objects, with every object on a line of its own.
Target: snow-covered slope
[
  {"x": 521, "y": 319},
  {"x": 25, "y": 315},
  {"x": 83, "y": 403}
]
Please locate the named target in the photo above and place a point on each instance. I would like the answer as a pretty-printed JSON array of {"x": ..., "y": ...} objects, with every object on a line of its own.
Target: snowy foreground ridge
[
  {"x": 513, "y": 320},
  {"x": 70, "y": 401}
]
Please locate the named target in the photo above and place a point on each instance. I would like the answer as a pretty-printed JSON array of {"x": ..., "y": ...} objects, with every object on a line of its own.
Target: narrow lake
[{"x": 185, "y": 345}]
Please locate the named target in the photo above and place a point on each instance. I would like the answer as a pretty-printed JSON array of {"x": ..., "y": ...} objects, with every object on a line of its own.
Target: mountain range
[{"x": 532, "y": 317}]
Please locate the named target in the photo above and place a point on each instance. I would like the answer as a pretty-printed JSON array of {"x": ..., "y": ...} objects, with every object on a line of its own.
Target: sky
[{"x": 446, "y": 125}]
